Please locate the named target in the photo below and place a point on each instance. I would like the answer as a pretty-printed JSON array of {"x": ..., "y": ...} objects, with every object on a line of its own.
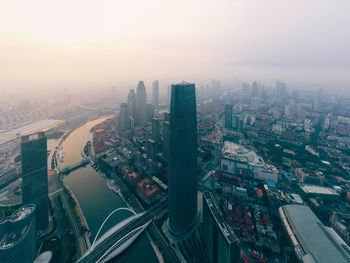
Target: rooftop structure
[
  {"x": 239, "y": 153},
  {"x": 321, "y": 191},
  {"x": 17, "y": 236},
  {"x": 313, "y": 242}
]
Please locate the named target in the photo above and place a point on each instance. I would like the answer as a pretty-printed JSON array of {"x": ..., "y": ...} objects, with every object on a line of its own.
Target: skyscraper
[
  {"x": 34, "y": 176},
  {"x": 256, "y": 103},
  {"x": 228, "y": 116},
  {"x": 155, "y": 93},
  {"x": 155, "y": 129},
  {"x": 166, "y": 135},
  {"x": 124, "y": 118},
  {"x": 141, "y": 103},
  {"x": 220, "y": 242},
  {"x": 182, "y": 159},
  {"x": 17, "y": 236},
  {"x": 281, "y": 89},
  {"x": 132, "y": 104}
]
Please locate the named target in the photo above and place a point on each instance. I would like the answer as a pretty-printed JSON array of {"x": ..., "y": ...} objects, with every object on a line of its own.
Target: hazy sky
[{"x": 80, "y": 43}]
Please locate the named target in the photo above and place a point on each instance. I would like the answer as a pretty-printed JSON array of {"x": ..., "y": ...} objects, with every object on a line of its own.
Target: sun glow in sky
[{"x": 79, "y": 44}]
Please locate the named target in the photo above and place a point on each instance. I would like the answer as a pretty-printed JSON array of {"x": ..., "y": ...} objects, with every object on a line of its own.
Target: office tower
[
  {"x": 150, "y": 112},
  {"x": 301, "y": 113},
  {"x": 246, "y": 88},
  {"x": 255, "y": 103},
  {"x": 220, "y": 242},
  {"x": 228, "y": 116},
  {"x": 132, "y": 104},
  {"x": 182, "y": 159},
  {"x": 254, "y": 89},
  {"x": 281, "y": 89},
  {"x": 34, "y": 176},
  {"x": 155, "y": 129},
  {"x": 168, "y": 93},
  {"x": 141, "y": 103},
  {"x": 152, "y": 149},
  {"x": 124, "y": 118},
  {"x": 17, "y": 236},
  {"x": 166, "y": 134},
  {"x": 166, "y": 116},
  {"x": 155, "y": 93}
]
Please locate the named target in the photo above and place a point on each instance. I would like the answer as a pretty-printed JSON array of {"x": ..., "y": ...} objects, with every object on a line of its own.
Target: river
[{"x": 96, "y": 200}]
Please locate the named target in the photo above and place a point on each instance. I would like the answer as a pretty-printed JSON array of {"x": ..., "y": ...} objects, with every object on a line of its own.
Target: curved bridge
[{"x": 115, "y": 240}]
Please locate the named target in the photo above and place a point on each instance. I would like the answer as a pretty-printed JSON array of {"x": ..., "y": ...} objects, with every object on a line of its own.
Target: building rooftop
[
  {"x": 226, "y": 230},
  {"x": 183, "y": 83},
  {"x": 16, "y": 233},
  {"x": 22, "y": 213},
  {"x": 313, "y": 241},
  {"x": 239, "y": 153},
  {"x": 12, "y": 237},
  {"x": 315, "y": 189}
]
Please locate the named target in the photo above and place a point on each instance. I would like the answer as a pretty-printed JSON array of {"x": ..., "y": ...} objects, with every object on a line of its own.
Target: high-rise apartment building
[
  {"x": 141, "y": 103},
  {"x": 34, "y": 176},
  {"x": 182, "y": 180}
]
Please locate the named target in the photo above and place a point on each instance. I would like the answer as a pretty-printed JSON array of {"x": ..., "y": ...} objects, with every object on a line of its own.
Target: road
[
  {"x": 75, "y": 225},
  {"x": 163, "y": 244}
]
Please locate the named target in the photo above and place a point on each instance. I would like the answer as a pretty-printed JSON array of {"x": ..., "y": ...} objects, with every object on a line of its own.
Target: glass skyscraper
[
  {"x": 182, "y": 159},
  {"x": 34, "y": 176}
]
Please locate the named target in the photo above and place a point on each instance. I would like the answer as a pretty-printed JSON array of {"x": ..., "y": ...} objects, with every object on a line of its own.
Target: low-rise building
[{"x": 238, "y": 160}]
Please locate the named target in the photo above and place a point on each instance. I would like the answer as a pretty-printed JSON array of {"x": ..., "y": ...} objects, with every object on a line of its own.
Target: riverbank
[
  {"x": 85, "y": 232},
  {"x": 95, "y": 199}
]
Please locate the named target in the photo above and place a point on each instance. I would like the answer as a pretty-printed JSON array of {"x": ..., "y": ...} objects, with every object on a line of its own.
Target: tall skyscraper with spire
[
  {"x": 132, "y": 103},
  {"x": 182, "y": 159},
  {"x": 141, "y": 103}
]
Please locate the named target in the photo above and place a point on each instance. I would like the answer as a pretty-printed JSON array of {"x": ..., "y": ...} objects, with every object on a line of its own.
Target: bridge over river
[{"x": 122, "y": 235}]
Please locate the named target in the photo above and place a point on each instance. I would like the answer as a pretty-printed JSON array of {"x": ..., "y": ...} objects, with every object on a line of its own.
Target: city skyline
[{"x": 174, "y": 132}]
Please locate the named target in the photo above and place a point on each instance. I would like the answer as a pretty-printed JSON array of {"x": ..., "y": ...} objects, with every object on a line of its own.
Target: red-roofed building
[{"x": 147, "y": 190}]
